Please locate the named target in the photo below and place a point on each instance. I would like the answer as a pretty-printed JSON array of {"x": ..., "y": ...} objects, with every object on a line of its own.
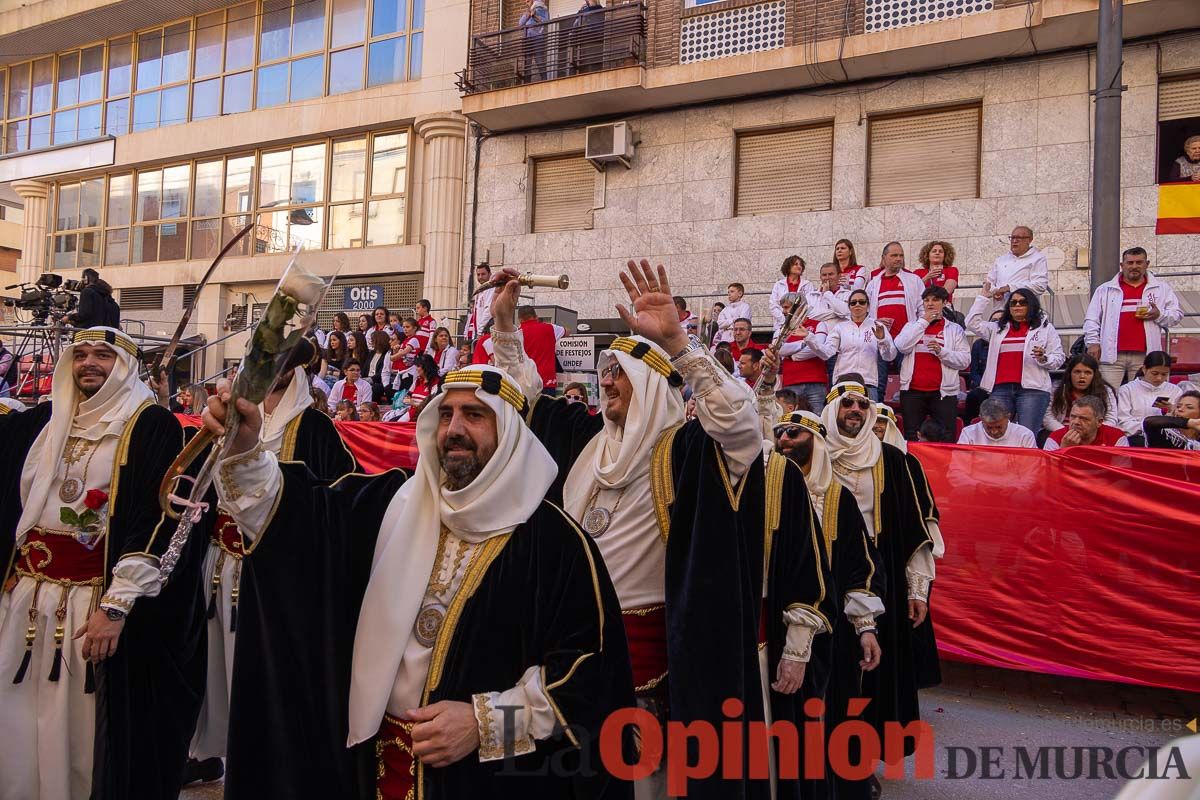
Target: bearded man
[
  {"x": 460, "y": 633},
  {"x": 101, "y": 664}
]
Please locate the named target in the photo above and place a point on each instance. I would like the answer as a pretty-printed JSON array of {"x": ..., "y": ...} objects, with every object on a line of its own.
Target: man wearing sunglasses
[
  {"x": 652, "y": 489},
  {"x": 892, "y": 515},
  {"x": 1022, "y": 267},
  {"x": 854, "y": 648}
]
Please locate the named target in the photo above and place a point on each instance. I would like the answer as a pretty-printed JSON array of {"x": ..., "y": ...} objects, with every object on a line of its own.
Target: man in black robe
[
  {"x": 295, "y": 431},
  {"x": 675, "y": 508},
  {"x": 799, "y": 606},
  {"x": 101, "y": 665},
  {"x": 457, "y": 630},
  {"x": 877, "y": 475},
  {"x": 857, "y": 580}
]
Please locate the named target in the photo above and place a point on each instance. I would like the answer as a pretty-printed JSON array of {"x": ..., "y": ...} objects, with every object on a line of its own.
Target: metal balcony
[{"x": 607, "y": 38}]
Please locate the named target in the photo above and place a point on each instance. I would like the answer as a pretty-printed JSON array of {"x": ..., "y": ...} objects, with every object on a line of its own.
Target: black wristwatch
[{"x": 115, "y": 614}]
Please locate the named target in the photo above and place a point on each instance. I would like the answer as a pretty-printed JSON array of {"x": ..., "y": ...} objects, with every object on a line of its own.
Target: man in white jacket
[
  {"x": 352, "y": 387},
  {"x": 996, "y": 428},
  {"x": 929, "y": 380},
  {"x": 1023, "y": 266},
  {"x": 1127, "y": 318}
]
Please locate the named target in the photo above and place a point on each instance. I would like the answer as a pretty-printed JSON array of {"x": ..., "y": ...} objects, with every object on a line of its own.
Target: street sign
[
  {"x": 576, "y": 353},
  {"x": 362, "y": 298}
]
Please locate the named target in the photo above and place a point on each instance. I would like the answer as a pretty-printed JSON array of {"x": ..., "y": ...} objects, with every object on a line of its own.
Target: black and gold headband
[
  {"x": 886, "y": 411},
  {"x": 650, "y": 357},
  {"x": 492, "y": 383},
  {"x": 111, "y": 338},
  {"x": 796, "y": 418},
  {"x": 845, "y": 388}
]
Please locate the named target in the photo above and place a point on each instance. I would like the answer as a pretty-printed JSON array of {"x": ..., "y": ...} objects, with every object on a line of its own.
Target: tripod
[{"x": 34, "y": 345}]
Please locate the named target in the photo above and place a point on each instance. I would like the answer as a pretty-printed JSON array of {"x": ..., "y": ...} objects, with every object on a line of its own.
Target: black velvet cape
[
  {"x": 148, "y": 693},
  {"x": 798, "y": 574},
  {"x": 545, "y": 599},
  {"x": 714, "y": 574},
  {"x": 926, "y": 664}
]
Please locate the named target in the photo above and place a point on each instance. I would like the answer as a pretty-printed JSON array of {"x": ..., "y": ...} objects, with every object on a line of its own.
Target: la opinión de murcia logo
[{"x": 736, "y": 749}]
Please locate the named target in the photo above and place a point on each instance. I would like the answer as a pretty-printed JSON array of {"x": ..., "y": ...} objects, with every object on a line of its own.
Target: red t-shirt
[
  {"x": 427, "y": 325},
  {"x": 1012, "y": 354},
  {"x": 539, "y": 345},
  {"x": 810, "y": 370},
  {"x": 350, "y": 392},
  {"x": 948, "y": 274},
  {"x": 736, "y": 351},
  {"x": 1106, "y": 436},
  {"x": 480, "y": 354},
  {"x": 892, "y": 304},
  {"x": 927, "y": 368},
  {"x": 1131, "y": 331}
]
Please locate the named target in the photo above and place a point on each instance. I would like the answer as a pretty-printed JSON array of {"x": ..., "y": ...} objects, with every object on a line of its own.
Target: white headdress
[
  {"x": 820, "y": 471},
  {"x": 851, "y": 452},
  {"x": 892, "y": 435}
]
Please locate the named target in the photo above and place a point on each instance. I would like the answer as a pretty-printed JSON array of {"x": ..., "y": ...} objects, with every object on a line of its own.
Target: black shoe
[
  {"x": 876, "y": 787},
  {"x": 206, "y": 771}
]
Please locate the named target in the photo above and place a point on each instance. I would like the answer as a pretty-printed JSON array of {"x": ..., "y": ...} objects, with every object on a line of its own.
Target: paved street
[{"x": 980, "y": 707}]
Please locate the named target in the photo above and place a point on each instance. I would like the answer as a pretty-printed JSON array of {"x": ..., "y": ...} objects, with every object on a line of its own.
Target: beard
[
  {"x": 462, "y": 466},
  {"x": 851, "y": 424},
  {"x": 799, "y": 450}
]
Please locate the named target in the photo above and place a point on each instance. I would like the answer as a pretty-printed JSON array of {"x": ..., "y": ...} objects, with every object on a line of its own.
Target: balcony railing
[{"x": 606, "y": 38}]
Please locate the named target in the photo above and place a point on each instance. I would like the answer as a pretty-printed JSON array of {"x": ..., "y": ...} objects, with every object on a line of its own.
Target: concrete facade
[{"x": 675, "y": 205}]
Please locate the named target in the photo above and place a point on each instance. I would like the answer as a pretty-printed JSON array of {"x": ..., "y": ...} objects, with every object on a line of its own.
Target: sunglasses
[
  {"x": 613, "y": 370},
  {"x": 572, "y": 398},
  {"x": 851, "y": 402},
  {"x": 790, "y": 432},
  {"x": 857, "y": 303},
  {"x": 1017, "y": 302}
]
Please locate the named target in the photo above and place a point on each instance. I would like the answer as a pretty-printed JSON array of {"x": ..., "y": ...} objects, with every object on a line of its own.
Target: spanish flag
[{"x": 1178, "y": 208}]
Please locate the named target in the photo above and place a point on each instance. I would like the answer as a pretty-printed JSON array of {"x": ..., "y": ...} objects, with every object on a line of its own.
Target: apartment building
[
  {"x": 142, "y": 136},
  {"x": 762, "y": 128}
]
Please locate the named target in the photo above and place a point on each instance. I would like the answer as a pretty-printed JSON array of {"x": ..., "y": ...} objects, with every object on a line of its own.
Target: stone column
[
  {"x": 33, "y": 243},
  {"x": 442, "y": 208}
]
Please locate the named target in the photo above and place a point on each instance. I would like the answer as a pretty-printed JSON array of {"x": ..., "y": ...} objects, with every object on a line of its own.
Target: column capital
[
  {"x": 31, "y": 190},
  {"x": 442, "y": 123}
]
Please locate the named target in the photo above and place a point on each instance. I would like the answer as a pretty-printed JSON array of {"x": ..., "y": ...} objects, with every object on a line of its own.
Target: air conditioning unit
[{"x": 610, "y": 142}]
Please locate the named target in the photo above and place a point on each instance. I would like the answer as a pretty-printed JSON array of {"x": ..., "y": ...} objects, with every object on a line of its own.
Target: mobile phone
[{"x": 1161, "y": 401}]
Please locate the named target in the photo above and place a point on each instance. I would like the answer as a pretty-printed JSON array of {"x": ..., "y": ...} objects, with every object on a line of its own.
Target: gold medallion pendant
[
  {"x": 70, "y": 490},
  {"x": 429, "y": 623},
  {"x": 596, "y": 521}
]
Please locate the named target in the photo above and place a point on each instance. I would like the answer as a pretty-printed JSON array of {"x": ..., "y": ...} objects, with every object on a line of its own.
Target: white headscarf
[
  {"x": 296, "y": 398},
  {"x": 858, "y": 452},
  {"x": 820, "y": 471},
  {"x": 74, "y": 414},
  {"x": 892, "y": 435},
  {"x": 504, "y": 495},
  {"x": 619, "y": 455}
]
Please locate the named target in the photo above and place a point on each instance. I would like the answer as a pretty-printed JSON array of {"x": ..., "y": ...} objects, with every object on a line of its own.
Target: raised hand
[
  {"x": 505, "y": 299},
  {"x": 652, "y": 311}
]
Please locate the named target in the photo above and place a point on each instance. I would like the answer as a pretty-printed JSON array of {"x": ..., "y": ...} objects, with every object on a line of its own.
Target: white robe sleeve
[
  {"x": 134, "y": 576},
  {"x": 524, "y": 711},
  {"x": 248, "y": 487},
  {"x": 861, "y": 608},
  {"x": 509, "y": 350},
  {"x": 802, "y": 627},
  {"x": 726, "y": 409},
  {"x": 920, "y": 573}
]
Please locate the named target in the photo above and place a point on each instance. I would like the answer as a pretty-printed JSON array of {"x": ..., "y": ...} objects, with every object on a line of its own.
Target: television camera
[{"x": 50, "y": 296}]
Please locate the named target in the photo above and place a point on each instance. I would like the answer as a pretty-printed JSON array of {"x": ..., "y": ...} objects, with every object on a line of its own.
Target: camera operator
[
  {"x": 8, "y": 371},
  {"x": 96, "y": 304}
]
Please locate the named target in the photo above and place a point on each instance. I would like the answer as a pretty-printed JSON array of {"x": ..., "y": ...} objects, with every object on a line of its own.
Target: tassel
[
  {"x": 30, "y": 635},
  {"x": 60, "y": 614},
  {"x": 216, "y": 585},
  {"x": 89, "y": 679},
  {"x": 233, "y": 595}
]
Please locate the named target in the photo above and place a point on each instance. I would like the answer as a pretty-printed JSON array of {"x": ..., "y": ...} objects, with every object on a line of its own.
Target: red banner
[{"x": 1083, "y": 562}]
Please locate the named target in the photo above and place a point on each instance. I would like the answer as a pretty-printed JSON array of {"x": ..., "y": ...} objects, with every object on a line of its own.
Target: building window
[
  {"x": 192, "y": 210},
  {"x": 733, "y": 31},
  {"x": 564, "y": 190},
  {"x": 254, "y": 55},
  {"x": 923, "y": 156},
  {"x": 884, "y": 14},
  {"x": 1178, "y": 122},
  {"x": 785, "y": 170}
]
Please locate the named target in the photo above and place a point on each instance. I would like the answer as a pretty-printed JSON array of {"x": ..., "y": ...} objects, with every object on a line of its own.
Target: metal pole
[{"x": 1106, "y": 155}]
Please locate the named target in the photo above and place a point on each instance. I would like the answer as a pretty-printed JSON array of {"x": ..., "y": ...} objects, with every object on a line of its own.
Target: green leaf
[
  {"x": 68, "y": 516},
  {"x": 88, "y": 517}
]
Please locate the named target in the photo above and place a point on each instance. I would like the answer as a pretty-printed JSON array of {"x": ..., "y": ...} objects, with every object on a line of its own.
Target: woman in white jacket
[
  {"x": 1151, "y": 394},
  {"x": 858, "y": 343},
  {"x": 1081, "y": 375},
  {"x": 792, "y": 281},
  {"x": 1022, "y": 349}
]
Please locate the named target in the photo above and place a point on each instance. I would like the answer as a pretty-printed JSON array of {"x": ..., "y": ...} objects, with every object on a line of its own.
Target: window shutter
[
  {"x": 142, "y": 298},
  {"x": 789, "y": 170},
  {"x": 1179, "y": 99},
  {"x": 922, "y": 157},
  {"x": 563, "y": 194}
]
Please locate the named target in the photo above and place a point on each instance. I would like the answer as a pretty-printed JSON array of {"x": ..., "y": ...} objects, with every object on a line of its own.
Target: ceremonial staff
[{"x": 794, "y": 319}]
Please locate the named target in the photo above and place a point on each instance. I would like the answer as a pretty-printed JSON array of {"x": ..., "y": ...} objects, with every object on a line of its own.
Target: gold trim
[
  {"x": 562, "y": 720},
  {"x": 509, "y": 391},
  {"x": 845, "y": 388},
  {"x": 829, "y": 517},
  {"x": 662, "y": 481},
  {"x": 287, "y": 450},
  {"x": 119, "y": 461},
  {"x": 815, "y": 611},
  {"x": 651, "y": 684},
  {"x": 812, "y": 531},
  {"x": 642, "y": 611},
  {"x": 651, "y": 358},
  {"x": 118, "y": 340},
  {"x": 5, "y": 410},
  {"x": 735, "y": 496},
  {"x": 878, "y": 473},
  {"x": 776, "y": 470}
]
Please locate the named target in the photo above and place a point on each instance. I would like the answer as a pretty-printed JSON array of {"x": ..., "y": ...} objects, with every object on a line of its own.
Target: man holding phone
[{"x": 1127, "y": 318}]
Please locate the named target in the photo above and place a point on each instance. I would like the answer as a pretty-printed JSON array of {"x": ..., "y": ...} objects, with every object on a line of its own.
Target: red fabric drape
[{"x": 1084, "y": 562}]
